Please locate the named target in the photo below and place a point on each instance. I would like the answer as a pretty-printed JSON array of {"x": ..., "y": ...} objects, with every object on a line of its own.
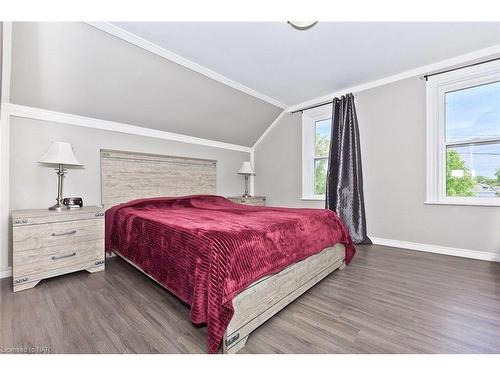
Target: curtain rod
[
  {"x": 460, "y": 67},
  {"x": 315, "y": 106}
]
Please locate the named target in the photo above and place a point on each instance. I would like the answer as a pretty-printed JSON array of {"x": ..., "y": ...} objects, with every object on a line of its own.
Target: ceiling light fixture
[{"x": 302, "y": 25}]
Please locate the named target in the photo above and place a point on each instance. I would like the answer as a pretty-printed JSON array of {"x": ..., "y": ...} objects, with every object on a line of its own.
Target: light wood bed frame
[{"x": 130, "y": 175}]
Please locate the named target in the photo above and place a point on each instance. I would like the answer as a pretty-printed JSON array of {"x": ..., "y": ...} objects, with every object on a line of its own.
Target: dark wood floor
[{"x": 387, "y": 301}]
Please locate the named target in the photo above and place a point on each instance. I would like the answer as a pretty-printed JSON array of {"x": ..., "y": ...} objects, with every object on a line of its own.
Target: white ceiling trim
[
  {"x": 443, "y": 64},
  {"x": 276, "y": 120},
  {"x": 169, "y": 55},
  {"x": 90, "y": 122}
]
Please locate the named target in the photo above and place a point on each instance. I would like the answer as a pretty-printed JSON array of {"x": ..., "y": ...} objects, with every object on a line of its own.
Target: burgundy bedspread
[{"x": 206, "y": 249}]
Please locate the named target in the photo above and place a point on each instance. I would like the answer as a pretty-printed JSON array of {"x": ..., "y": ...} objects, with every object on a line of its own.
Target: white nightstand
[
  {"x": 253, "y": 201},
  {"x": 50, "y": 243}
]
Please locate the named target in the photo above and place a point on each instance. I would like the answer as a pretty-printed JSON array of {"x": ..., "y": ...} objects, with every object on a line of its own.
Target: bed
[{"x": 234, "y": 265}]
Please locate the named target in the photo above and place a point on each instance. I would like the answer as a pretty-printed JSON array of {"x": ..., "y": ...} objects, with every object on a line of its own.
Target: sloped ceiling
[
  {"x": 77, "y": 69},
  {"x": 294, "y": 66}
]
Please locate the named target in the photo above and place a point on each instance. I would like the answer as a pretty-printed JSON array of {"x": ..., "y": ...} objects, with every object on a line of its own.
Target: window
[
  {"x": 316, "y": 130},
  {"x": 463, "y": 136}
]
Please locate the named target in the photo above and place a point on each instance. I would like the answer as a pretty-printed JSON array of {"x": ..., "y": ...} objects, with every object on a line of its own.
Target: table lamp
[
  {"x": 61, "y": 154},
  {"x": 246, "y": 170}
]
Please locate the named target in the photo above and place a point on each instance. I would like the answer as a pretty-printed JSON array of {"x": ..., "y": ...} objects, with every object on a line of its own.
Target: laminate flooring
[{"x": 388, "y": 300}]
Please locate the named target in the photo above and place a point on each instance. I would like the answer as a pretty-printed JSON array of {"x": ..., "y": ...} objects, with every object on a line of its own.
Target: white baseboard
[
  {"x": 6, "y": 273},
  {"x": 445, "y": 250}
]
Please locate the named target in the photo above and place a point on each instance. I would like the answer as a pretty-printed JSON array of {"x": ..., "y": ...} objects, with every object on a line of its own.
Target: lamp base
[
  {"x": 58, "y": 207},
  {"x": 246, "y": 195}
]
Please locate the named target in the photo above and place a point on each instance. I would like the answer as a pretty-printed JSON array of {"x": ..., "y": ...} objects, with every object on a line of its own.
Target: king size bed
[{"x": 234, "y": 265}]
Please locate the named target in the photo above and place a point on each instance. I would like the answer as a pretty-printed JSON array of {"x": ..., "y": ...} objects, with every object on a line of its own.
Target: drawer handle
[
  {"x": 230, "y": 340},
  {"x": 21, "y": 280},
  {"x": 64, "y": 234},
  {"x": 63, "y": 256}
]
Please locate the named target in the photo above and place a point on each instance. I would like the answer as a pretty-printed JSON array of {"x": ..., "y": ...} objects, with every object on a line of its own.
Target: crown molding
[
  {"x": 276, "y": 120},
  {"x": 425, "y": 69},
  {"x": 252, "y": 178},
  {"x": 171, "y": 56},
  {"x": 89, "y": 122}
]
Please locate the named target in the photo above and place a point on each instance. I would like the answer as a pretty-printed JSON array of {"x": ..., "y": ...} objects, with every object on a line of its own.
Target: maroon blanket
[{"x": 206, "y": 249}]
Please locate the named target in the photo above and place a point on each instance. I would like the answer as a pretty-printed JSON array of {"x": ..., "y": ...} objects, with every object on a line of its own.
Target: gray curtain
[{"x": 344, "y": 186}]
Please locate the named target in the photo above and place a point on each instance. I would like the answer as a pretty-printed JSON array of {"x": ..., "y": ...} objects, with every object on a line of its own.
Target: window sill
[
  {"x": 313, "y": 198},
  {"x": 464, "y": 203}
]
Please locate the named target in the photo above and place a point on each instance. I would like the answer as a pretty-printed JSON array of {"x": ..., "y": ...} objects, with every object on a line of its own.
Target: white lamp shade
[
  {"x": 60, "y": 153},
  {"x": 246, "y": 168}
]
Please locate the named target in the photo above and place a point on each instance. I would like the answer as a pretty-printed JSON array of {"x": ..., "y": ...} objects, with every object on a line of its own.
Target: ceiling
[
  {"x": 294, "y": 66},
  {"x": 72, "y": 67}
]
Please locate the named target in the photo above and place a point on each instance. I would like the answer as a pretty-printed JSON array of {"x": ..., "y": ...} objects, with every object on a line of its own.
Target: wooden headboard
[{"x": 129, "y": 175}]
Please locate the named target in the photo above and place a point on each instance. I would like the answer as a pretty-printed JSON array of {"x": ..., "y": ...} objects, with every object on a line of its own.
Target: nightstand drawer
[
  {"x": 43, "y": 216},
  {"x": 252, "y": 201},
  {"x": 45, "y": 260},
  {"x": 51, "y": 243},
  {"x": 64, "y": 233}
]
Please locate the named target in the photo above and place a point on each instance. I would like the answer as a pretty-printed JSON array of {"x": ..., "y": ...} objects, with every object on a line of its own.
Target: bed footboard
[{"x": 267, "y": 296}]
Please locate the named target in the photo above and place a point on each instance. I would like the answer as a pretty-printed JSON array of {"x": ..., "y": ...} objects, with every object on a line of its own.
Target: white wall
[
  {"x": 35, "y": 186},
  {"x": 392, "y": 127},
  {"x": 1, "y": 50},
  {"x": 278, "y": 164},
  {"x": 74, "y": 68}
]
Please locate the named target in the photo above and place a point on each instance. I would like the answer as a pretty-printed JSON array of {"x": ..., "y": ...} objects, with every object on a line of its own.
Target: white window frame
[
  {"x": 309, "y": 119},
  {"x": 436, "y": 89}
]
